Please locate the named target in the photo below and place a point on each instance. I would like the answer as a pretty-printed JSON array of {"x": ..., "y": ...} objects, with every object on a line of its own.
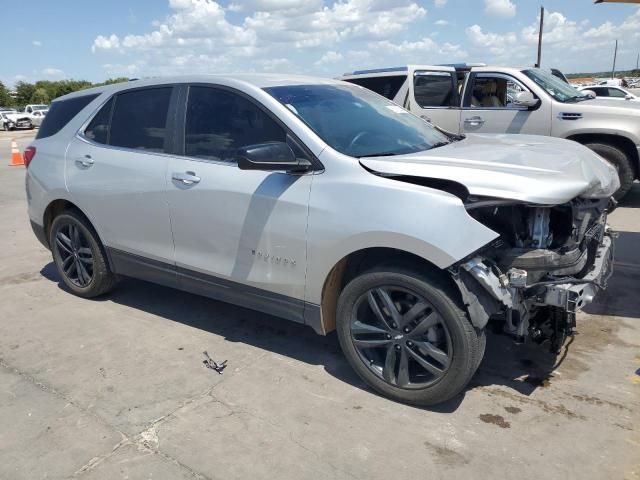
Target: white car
[
  {"x": 611, "y": 93},
  {"x": 37, "y": 116},
  {"x": 34, "y": 108},
  {"x": 15, "y": 121}
]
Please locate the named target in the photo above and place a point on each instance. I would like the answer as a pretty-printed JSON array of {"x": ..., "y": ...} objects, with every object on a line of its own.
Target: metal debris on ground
[{"x": 212, "y": 364}]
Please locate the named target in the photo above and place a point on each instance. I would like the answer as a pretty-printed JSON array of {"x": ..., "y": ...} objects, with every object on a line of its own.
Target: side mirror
[
  {"x": 628, "y": 97},
  {"x": 588, "y": 93},
  {"x": 272, "y": 156},
  {"x": 525, "y": 99}
]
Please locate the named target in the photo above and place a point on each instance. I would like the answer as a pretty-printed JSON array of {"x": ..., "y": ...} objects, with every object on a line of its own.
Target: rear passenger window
[
  {"x": 98, "y": 129},
  {"x": 139, "y": 119},
  {"x": 61, "y": 112},
  {"x": 219, "y": 122},
  {"x": 386, "y": 86},
  {"x": 434, "y": 89}
]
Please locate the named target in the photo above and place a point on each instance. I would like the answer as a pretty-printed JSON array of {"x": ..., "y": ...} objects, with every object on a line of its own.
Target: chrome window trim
[{"x": 504, "y": 76}]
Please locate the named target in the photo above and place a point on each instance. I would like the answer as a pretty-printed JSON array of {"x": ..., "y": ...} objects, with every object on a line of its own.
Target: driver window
[
  {"x": 493, "y": 92},
  {"x": 219, "y": 122}
]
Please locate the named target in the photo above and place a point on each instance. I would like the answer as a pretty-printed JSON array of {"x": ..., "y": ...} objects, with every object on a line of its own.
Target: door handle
[
  {"x": 474, "y": 121},
  {"x": 85, "y": 161},
  {"x": 186, "y": 178}
]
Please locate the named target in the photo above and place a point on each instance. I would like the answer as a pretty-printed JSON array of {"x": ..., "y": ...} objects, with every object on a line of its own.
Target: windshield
[
  {"x": 39, "y": 107},
  {"x": 356, "y": 121},
  {"x": 562, "y": 92}
]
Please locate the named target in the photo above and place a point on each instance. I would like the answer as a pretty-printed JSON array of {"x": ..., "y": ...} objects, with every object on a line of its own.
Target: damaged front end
[{"x": 547, "y": 264}]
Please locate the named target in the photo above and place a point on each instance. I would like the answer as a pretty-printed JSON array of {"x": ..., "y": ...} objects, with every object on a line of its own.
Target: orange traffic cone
[{"x": 16, "y": 158}]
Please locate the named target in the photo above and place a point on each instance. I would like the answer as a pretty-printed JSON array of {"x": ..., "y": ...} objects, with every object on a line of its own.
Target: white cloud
[
  {"x": 500, "y": 8},
  {"x": 202, "y": 29},
  {"x": 329, "y": 57},
  {"x": 52, "y": 72},
  {"x": 36, "y": 43},
  {"x": 441, "y": 23},
  {"x": 414, "y": 51},
  {"x": 440, "y": 3}
]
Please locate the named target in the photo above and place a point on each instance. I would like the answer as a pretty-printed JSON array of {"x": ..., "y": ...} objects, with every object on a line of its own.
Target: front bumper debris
[
  {"x": 487, "y": 292},
  {"x": 573, "y": 297}
]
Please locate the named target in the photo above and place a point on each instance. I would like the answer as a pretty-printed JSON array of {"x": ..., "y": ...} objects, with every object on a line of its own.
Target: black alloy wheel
[
  {"x": 79, "y": 255},
  {"x": 400, "y": 337},
  {"x": 75, "y": 255}
]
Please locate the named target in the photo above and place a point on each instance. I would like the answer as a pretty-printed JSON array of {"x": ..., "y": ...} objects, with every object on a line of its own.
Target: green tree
[
  {"x": 40, "y": 95},
  {"x": 5, "y": 98},
  {"x": 25, "y": 91}
]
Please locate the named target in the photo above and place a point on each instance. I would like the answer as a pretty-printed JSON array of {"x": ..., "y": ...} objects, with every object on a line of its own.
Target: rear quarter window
[
  {"x": 61, "y": 112},
  {"x": 387, "y": 86}
]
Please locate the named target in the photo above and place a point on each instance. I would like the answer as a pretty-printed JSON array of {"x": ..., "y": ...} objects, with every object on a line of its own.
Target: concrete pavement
[{"x": 115, "y": 387}]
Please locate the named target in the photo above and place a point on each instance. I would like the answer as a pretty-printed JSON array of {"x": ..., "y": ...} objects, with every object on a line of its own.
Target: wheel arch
[
  {"x": 348, "y": 267},
  {"x": 58, "y": 206},
  {"x": 620, "y": 141}
]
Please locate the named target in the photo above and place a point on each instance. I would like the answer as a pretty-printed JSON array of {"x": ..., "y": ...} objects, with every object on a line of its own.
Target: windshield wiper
[
  {"x": 439, "y": 144},
  {"x": 383, "y": 154}
]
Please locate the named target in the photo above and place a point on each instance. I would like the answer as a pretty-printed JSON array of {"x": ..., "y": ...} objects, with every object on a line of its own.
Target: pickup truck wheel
[
  {"x": 79, "y": 256},
  {"x": 622, "y": 163},
  {"x": 407, "y": 336}
]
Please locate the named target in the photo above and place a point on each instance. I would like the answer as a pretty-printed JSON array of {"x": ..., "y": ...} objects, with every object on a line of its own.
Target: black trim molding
[{"x": 143, "y": 268}]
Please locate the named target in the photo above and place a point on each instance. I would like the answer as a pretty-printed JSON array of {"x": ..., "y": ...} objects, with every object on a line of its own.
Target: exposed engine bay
[{"x": 547, "y": 264}]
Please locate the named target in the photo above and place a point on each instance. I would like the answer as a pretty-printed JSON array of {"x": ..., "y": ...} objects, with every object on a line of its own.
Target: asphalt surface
[{"x": 116, "y": 387}]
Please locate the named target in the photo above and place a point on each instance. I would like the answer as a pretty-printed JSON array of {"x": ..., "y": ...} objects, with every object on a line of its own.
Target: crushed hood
[{"x": 528, "y": 168}]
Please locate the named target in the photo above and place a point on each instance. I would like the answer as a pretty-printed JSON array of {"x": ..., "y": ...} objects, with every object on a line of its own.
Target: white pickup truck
[{"x": 483, "y": 99}]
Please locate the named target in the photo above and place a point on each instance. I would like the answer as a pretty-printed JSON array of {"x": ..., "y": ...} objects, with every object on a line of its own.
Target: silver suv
[
  {"x": 324, "y": 203},
  {"x": 483, "y": 99}
]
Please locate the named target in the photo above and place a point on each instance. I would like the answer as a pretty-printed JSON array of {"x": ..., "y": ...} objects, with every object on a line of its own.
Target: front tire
[
  {"x": 407, "y": 336},
  {"x": 621, "y": 161},
  {"x": 79, "y": 256}
]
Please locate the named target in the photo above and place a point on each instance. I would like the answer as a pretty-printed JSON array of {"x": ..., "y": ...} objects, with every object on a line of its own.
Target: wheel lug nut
[
  {"x": 410, "y": 343},
  {"x": 398, "y": 347},
  {"x": 388, "y": 337},
  {"x": 406, "y": 329},
  {"x": 394, "y": 325}
]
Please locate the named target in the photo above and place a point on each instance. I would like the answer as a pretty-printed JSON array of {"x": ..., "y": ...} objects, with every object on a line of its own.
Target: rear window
[
  {"x": 98, "y": 129},
  {"x": 139, "y": 119},
  {"x": 386, "y": 86},
  {"x": 61, "y": 112},
  {"x": 434, "y": 89}
]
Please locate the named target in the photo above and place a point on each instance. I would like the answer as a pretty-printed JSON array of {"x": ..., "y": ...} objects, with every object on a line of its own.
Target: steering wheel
[{"x": 356, "y": 139}]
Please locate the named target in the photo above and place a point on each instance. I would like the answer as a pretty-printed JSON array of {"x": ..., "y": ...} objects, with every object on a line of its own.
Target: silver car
[{"x": 324, "y": 203}]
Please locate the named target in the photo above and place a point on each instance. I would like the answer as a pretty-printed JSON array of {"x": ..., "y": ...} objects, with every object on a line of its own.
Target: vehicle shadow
[
  {"x": 632, "y": 199},
  {"x": 622, "y": 296},
  {"x": 522, "y": 368}
]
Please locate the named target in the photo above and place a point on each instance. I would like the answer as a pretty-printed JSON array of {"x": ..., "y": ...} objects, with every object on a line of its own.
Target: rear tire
[
  {"x": 79, "y": 256},
  {"x": 422, "y": 362},
  {"x": 621, "y": 161}
]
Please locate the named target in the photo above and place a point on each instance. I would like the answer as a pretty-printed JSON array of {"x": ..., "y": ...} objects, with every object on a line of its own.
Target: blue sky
[{"x": 100, "y": 39}]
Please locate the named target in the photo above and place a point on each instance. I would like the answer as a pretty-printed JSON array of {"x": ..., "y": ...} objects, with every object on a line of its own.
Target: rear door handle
[
  {"x": 186, "y": 178},
  {"x": 474, "y": 121},
  {"x": 85, "y": 161}
]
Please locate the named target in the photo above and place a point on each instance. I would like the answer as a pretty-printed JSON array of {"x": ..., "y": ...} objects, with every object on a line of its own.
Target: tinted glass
[
  {"x": 357, "y": 122},
  {"x": 386, "y": 86},
  {"x": 434, "y": 89},
  {"x": 61, "y": 112},
  {"x": 219, "y": 122},
  {"x": 614, "y": 92},
  {"x": 98, "y": 129},
  {"x": 139, "y": 119},
  {"x": 600, "y": 92}
]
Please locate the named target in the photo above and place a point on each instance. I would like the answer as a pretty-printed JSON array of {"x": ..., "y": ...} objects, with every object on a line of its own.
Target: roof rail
[
  {"x": 378, "y": 70},
  {"x": 463, "y": 65}
]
